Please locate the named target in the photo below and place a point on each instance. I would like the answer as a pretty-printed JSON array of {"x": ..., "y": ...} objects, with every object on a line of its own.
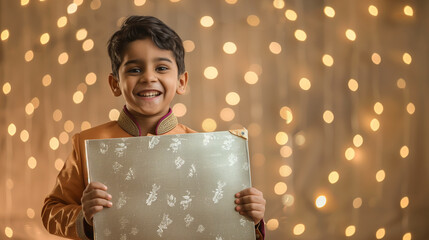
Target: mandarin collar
[{"x": 130, "y": 125}]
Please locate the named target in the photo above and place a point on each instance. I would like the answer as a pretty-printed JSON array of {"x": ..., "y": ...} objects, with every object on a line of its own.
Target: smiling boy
[{"x": 148, "y": 70}]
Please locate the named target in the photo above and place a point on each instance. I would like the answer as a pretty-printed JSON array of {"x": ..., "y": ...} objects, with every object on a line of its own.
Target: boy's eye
[
  {"x": 134, "y": 70},
  {"x": 161, "y": 69}
]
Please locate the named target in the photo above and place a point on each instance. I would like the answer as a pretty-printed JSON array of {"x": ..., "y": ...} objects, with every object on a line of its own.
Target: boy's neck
[{"x": 141, "y": 126}]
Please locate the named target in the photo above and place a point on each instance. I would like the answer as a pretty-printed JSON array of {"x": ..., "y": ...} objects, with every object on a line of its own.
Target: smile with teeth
[{"x": 149, "y": 94}]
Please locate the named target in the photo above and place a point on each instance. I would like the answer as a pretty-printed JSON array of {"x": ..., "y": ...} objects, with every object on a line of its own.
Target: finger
[
  {"x": 248, "y": 191},
  {"x": 95, "y": 193},
  {"x": 93, "y": 206},
  {"x": 250, "y": 199},
  {"x": 250, "y": 207},
  {"x": 95, "y": 185}
]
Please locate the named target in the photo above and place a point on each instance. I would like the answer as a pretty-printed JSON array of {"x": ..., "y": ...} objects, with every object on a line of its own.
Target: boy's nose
[{"x": 149, "y": 76}]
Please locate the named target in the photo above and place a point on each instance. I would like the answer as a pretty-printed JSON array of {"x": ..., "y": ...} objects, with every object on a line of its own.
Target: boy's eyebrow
[{"x": 155, "y": 60}]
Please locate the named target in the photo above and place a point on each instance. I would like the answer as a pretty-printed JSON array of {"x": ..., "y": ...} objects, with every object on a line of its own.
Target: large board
[{"x": 172, "y": 186}]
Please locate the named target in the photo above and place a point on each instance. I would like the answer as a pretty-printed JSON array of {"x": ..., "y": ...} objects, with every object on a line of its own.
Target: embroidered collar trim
[{"x": 129, "y": 123}]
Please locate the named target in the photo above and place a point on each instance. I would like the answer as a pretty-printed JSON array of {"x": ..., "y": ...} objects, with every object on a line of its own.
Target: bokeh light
[
  {"x": 210, "y": 72},
  {"x": 232, "y": 98},
  {"x": 411, "y": 108},
  {"x": 139, "y": 3},
  {"x": 406, "y": 57},
  {"x": 286, "y": 114},
  {"x": 275, "y": 47},
  {"x": 358, "y": 140},
  {"x": 357, "y": 202},
  {"x": 78, "y": 97},
  {"x": 329, "y": 11},
  {"x": 87, "y": 45},
  {"x": 279, "y": 4},
  {"x": 320, "y": 201},
  {"x": 285, "y": 151},
  {"x": 300, "y": 35},
  {"x": 7, "y": 88},
  {"x": 380, "y": 175},
  {"x": 285, "y": 171},
  {"x": 179, "y": 109},
  {"x": 305, "y": 84},
  {"x": 404, "y": 202},
  {"x": 63, "y": 58},
  {"x": 328, "y": 116},
  {"x": 272, "y": 224},
  {"x": 291, "y": 15},
  {"x": 251, "y": 77},
  {"x": 229, "y": 48},
  {"x": 114, "y": 114},
  {"x": 376, "y": 58},
  {"x": 253, "y": 20},
  {"x": 350, "y": 230},
  {"x": 29, "y": 55},
  {"x": 32, "y": 163},
  {"x": 373, "y": 10},
  {"x": 4, "y": 35},
  {"x": 189, "y": 45},
  {"x": 298, "y": 229},
  {"x": 350, "y": 34},
  {"x": 227, "y": 114},
  {"x": 44, "y": 38},
  {"x": 280, "y": 188},
  {"x": 408, "y": 11},
  {"x": 404, "y": 151},
  {"x": 378, "y": 108},
  {"x": 62, "y": 22},
  {"x": 353, "y": 85},
  {"x": 374, "y": 124},
  {"x": 209, "y": 125},
  {"x": 206, "y": 21},
  {"x": 328, "y": 60},
  {"x": 381, "y": 232},
  {"x": 333, "y": 177}
]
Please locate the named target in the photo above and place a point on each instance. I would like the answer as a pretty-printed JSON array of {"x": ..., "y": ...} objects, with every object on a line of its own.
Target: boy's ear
[
  {"x": 114, "y": 85},
  {"x": 183, "y": 81}
]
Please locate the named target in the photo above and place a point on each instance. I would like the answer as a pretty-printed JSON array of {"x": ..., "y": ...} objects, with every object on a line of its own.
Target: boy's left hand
[{"x": 251, "y": 203}]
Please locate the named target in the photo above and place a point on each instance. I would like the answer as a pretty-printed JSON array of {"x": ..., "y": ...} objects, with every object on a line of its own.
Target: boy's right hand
[{"x": 93, "y": 200}]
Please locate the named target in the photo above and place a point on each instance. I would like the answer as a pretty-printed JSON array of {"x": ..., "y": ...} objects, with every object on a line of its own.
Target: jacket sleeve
[
  {"x": 62, "y": 210},
  {"x": 260, "y": 230}
]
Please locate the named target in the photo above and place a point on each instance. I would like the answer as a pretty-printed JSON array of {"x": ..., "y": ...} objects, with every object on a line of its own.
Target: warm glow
[
  {"x": 299, "y": 229},
  {"x": 35, "y": 101},
  {"x": 378, "y": 108},
  {"x": 44, "y": 38},
  {"x": 57, "y": 115},
  {"x": 82, "y": 87},
  {"x": 63, "y": 58},
  {"x": 232, "y": 98},
  {"x": 376, "y": 58},
  {"x": 54, "y": 143},
  {"x": 401, "y": 83},
  {"x": 411, "y": 108},
  {"x": 229, "y": 48},
  {"x": 300, "y": 35},
  {"x": 350, "y": 153},
  {"x": 46, "y": 80},
  {"x": 59, "y": 163},
  {"x": 404, "y": 202},
  {"x": 286, "y": 151},
  {"x": 85, "y": 125},
  {"x": 288, "y": 200},
  {"x": 7, "y": 88},
  {"x": 373, "y": 10},
  {"x": 328, "y": 116},
  {"x": 291, "y": 15},
  {"x": 357, "y": 202},
  {"x": 286, "y": 114},
  {"x": 320, "y": 201},
  {"x": 78, "y": 97},
  {"x": 209, "y": 125},
  {"x": 24, "y": 2},
  {"x": 300, "y": 139},
  {"x": 29, "y": 108},
  {"x": 139, "y": 3},
  {"x": 353, "y": 85},
  {"x": 62, "y": 21},
  {"x": 68, "y": 126},
  {"x": 380, "y": 233},
  {"x": 24, "y": 135},
  {"x": 251, "y": 77},
  {"x": 305, "y": 84},
  {"x": 227, "y": 114},
  {"x": 275, "y": 47},
  {"x": 188, "y": 45},
  {"x": 30, "y": 213},
  {"x": 253, "y": 20},
  {"x": 374, "y": 124},
  {"x": 272, "y": 224},
  {"x": 114, "y": 114},
  {"x": 77, "y": 2},
  {"x": 282, "y": 138},
  {"x": 207, "y": 21},
  {"x": 328, "y": 60},
  {"x": 407, "y": 236},
  {"x": 333, "y": 177},
  {"x": 404, "y": 151},
  {"x": 210, "y": 72},
  {"x": 8, "y": 232},
  {"x": 231, "y": 1},
  {"x": 350, "y": 230},
  {"x": 279, "y": 4},
  {"x": 380, "y": 176},
  {"x": 5, "y": 35},
  {"x": 29, "y": 55},
  {"x": 407, "y": 58},
  {"x": 95, "y": 4},
  {"x": 11, "y": 129},
  {"x": 64, "y": 137},
  {"x": 350, "y": 34},
  {"x": 81, "y": 34},
  {"x": 87, "y": 45},
  {"x": 280, "y": 188},
  {"x": 32, "y": 163},
  {"x": 329, "y": 11},
  {"x": 72, "y": 8},
  {"x": 179, "y": 109},
  {"x": 285, "y": 171},
  {"x": 357, "y": 140},
  {"x": 90, "y": 78},
  {"x": 408, "y": 11}
]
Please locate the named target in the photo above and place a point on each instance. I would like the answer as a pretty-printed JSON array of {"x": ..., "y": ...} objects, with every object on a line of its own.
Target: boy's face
[{"x": 148, "y": 79}]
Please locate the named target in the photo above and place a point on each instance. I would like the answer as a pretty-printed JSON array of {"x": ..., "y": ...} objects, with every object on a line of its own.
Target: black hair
[{"x": 142, "y": 27}]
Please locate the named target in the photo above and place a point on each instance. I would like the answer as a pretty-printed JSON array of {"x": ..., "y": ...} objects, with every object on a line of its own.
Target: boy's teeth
[{"x": 150, "y": 94}]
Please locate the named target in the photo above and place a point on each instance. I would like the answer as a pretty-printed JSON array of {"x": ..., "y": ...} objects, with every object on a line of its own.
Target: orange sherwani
[{"x": 62, "y": 210}]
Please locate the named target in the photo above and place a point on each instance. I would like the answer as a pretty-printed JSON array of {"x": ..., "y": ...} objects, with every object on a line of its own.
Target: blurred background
[{"x": 334, "y": 94}]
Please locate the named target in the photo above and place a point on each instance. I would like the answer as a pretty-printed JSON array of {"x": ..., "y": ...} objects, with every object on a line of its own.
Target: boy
[{"x": 147, "y": 70}]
